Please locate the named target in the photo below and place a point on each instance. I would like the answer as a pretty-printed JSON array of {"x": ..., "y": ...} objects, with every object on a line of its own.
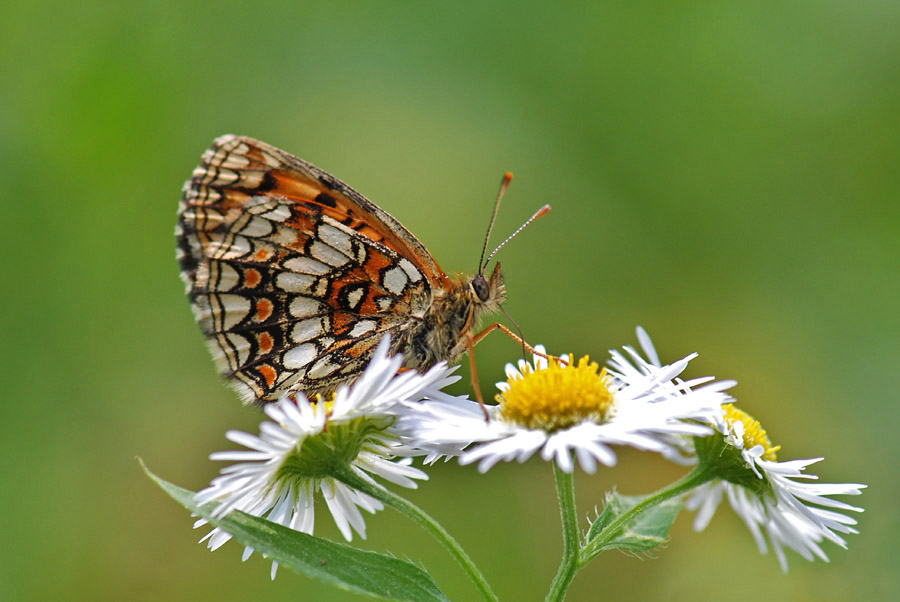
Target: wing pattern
[{"x": 293, "y": 276}]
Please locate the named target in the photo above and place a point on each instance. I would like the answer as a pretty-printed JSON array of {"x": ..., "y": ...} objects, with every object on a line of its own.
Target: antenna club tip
[
  {"x": 507, "y": 177},
  {"x": 543, "y": 211}
]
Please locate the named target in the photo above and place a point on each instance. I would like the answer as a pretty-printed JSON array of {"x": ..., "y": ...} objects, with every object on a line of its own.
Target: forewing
[{"x": 293, "y": 276}]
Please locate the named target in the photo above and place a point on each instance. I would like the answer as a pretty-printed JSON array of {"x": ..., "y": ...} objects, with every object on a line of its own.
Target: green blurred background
[{"x": 724, "y": 174}]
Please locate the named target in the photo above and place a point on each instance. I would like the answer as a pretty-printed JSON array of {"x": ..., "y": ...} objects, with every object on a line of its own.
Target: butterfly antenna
[
  {"x": 504, "y": 185},
  {"x": 539, "y": 213}
]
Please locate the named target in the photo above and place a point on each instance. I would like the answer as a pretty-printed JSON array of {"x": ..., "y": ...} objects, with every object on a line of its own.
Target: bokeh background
[{"x": 724, "y": 174}]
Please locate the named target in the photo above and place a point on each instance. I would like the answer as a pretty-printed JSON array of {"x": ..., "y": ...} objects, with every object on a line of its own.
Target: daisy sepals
[{"x": 347, "y": 476}]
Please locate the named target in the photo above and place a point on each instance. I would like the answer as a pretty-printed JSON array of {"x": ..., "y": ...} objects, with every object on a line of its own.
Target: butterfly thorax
[{"x": 454, "y": 314}]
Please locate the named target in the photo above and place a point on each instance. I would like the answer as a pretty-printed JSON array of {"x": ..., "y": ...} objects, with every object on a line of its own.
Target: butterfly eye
[{"x": 481, "y": 288}]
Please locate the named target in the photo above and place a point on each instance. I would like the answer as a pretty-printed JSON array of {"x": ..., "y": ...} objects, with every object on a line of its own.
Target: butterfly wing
[{"x": 293, "y": 276}]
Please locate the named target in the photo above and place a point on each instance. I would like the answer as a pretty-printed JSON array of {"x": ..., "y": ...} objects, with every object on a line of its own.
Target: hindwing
[{"x": 293, "y": 276}]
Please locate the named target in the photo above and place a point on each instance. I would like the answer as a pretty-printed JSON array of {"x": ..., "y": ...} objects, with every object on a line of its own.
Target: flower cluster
[
  {"x": 571, "y": 412},
  {"x": 769, "y": 496}
]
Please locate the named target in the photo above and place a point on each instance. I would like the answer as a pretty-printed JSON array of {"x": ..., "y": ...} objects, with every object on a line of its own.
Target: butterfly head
[{"x": 487, "y": 294}]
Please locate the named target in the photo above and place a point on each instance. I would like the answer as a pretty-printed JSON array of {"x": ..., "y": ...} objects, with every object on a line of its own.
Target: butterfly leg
[
  {"x": 471, "y": 341},
  {"x": 473, "y": 371},
  {"x": 497, "y": 326}
]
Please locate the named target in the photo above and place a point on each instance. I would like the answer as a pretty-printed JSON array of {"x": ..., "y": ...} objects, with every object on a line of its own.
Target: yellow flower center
[
  {"x": 559, "y": 396},
  {"x": 754, "y": 434},
  {"x": 328, "y": 401}
]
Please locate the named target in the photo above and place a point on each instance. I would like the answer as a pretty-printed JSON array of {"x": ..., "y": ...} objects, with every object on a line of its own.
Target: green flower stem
[
  {"x": 691, "y": 480},
  {"x": 411, "y": 511},
  {"x": 568, "y": 566}
]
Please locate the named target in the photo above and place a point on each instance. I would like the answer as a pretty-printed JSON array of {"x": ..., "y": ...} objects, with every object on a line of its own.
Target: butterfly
[{"x": 294, "y": 277}]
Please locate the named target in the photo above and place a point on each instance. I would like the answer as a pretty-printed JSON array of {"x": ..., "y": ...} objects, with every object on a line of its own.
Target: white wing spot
[
  {"x": 335, "y": 238},
  {"x": 354, "y": 297},
  {"x": 304, "y": 307},
  {"x": 323, "y": 367},
  {"x": 236, "y": 160},
  {"x": 238, "y": 247},
  {"x": 286, "y": 237},
  {"x": 241, "y": 347},
  {"x": 394, "y": 280},
  {"x": 307, "y": 265},
  {"x": 227, "y": 310},
  {"x": 227, "y": 276},
  {"x": 269, "y": 159},
  {"x": 362, "y": 327},
  {"x": 252, "y": 179},
  {"x": 411, "y": 271},
  {"x": 259, "y": 205},
  {"x": 295, "y": 283},
  {"x": 299, "y": 356},
  {"x": 224, "y": 177},
  {"x": 257, "y": 228},
  {"x": 327, "y": 253},
  {"x": 278, "y": 214},
  {"x": 307, "y": 329}
]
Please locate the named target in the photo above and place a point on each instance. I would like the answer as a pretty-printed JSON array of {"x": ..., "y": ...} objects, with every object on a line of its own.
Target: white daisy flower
[
  {"x": 561, "y": 407},
  {"x": 284, "y": 467},
  {"x": 767, "y": 494}
]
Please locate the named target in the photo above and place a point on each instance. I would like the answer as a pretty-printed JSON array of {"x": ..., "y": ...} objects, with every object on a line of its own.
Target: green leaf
[
  {"x": 345, "y": 567},
  {"x": 643, "y": 532}
]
